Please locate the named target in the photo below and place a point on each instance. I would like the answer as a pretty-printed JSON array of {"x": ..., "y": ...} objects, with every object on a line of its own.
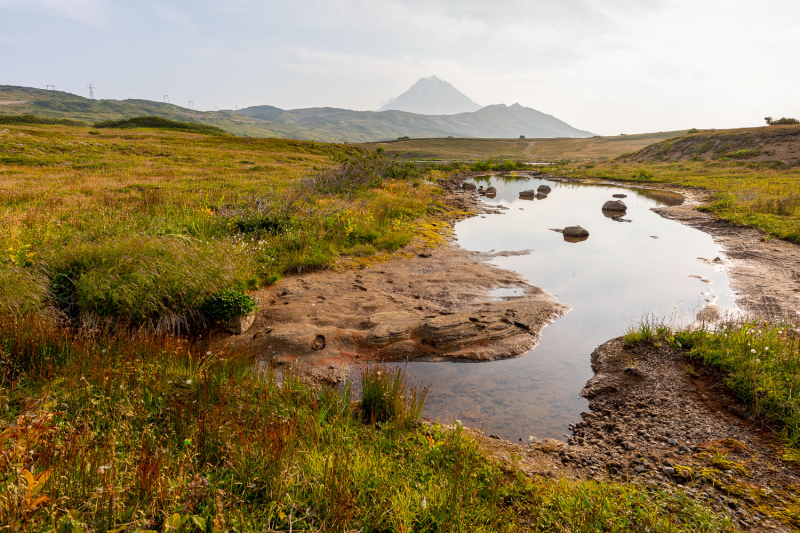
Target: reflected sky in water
[{"x": 616, "y": 276}]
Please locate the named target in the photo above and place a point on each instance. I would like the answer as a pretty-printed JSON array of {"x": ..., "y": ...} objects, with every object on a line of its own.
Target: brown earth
[
  {"x": 768, "y": 143},
  {"x": 432, "y": 300}
]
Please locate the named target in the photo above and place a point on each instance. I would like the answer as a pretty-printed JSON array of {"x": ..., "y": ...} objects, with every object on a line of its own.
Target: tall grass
[
  {"x": 136, "y": 431},
  {"x": 143, "y": 227},
  {"x": 759, "y": 361}
]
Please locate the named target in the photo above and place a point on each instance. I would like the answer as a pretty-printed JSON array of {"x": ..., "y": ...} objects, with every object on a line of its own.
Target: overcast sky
[{"x": 608, "y": 66}]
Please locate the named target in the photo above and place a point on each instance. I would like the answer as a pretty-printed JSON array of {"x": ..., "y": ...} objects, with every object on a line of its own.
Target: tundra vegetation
[{"x": 118, "y": 244}]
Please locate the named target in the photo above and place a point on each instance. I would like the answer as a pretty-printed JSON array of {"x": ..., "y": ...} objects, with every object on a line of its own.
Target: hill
[
  {"x": 543, "y": 150},
  {"x": 321, "y": 124},
  {"x": 432, "y": 96},
  {"x": 495, "y": 121},
  {"x": 768, "y": 143}
]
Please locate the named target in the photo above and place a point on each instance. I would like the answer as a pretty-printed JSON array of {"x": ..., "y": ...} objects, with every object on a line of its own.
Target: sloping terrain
[
  {"x": 495, "y": 121},
  {"x": 768, "y": 143},
  {"x": 321, "y": 124},
  {"x": 540, "y": 150}
]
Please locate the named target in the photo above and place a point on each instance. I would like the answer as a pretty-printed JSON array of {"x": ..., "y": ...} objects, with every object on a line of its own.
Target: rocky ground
[{"x": 430, "y": 300}]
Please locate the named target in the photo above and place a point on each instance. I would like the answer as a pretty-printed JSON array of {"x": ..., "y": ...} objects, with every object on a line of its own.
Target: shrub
[
  {"x": 161, "y": 123},
  {"x": 228, "y": 303},
  {"x": 745, "y": 153},
  {"x": 781, "y": 121},
  {"x": 145, "y": 280},
  {"x": 643, "y": 174},
  {"x": 34, "y": 119}
]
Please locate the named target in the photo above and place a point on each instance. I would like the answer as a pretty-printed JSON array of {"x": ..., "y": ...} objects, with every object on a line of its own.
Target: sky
[{"x": 608, "y": 66}]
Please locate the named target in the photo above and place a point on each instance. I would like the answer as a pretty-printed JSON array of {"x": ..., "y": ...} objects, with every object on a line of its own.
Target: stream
[{"x": 626, "y": 270}]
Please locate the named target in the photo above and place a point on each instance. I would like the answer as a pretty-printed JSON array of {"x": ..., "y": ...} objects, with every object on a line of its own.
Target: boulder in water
[
  {"x": 575, "y": 232},
  {"x": 544, "y": 189},
  {"x": 527, "y": 194},
  {"x": 619, "y": 195},
  {"x": 615, "y": 205},
  {"x": 491, "y": 190}
]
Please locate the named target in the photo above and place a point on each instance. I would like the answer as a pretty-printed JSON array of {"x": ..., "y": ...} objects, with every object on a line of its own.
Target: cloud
[
  {"x": 174, "y": 16},
  {"x": 93, "y": 12}
]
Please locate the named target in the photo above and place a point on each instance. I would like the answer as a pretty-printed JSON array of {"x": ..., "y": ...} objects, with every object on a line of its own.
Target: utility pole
[
  {"x": 166, "y": 98},
  {"x": 91, "y": 91},
  {"x": 50, "y": 87},
  {"x": 191, "y": 105}
]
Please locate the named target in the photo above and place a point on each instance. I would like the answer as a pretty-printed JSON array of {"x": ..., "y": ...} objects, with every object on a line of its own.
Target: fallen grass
[
  {"x": 140, "y": 432},
  {"x": 763, "y": 195}
]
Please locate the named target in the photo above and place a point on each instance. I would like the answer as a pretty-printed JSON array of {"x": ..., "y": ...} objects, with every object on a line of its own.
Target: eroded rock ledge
[{"x": 429, "y": 301}]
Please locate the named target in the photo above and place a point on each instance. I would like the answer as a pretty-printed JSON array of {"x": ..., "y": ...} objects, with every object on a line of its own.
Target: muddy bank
[
  {"x": 765, "y": 273},
  {"x": 660, "y": 421},
  {"x": 429, "y": 300}
]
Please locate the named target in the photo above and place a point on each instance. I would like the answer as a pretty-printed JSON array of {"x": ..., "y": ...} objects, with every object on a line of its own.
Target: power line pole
[
  {"x": 166, "y": 98},
  {"x": 50, "y": 87},
  {"x": 91, "y": 91},
  {"x": 191, "y": 105}
]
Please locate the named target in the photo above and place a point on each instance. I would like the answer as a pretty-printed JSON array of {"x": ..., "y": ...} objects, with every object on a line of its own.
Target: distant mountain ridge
[
  {"x": 321, "y": 124},
  {"x": 432, "y": 96}
]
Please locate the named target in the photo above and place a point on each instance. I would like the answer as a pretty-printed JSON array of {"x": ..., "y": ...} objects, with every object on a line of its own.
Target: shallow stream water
[{"x": 619, "y": 275}]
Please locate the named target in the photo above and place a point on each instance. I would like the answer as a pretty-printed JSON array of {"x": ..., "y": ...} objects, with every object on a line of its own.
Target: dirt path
[{"x": 529, "y": 147}]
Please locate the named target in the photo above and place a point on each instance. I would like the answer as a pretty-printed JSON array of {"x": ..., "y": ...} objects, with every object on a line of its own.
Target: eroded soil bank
[{"x": 430, "y": 300}]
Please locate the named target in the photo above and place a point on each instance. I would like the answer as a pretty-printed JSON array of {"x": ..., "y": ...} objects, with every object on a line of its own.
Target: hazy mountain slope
[
  {"x": 321, "y": 124},
  {"x": 432, "y": 96}
]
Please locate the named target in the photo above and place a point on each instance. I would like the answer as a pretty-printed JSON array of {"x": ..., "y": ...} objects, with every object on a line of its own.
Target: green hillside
[{"x": 319, "y": 124}]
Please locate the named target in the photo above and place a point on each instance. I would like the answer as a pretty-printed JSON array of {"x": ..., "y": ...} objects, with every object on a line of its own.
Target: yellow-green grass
[
  {"x": 760, "y": 363},
  {"x": 121, "y": 432},
  {"x": 764, "y": 195},
  {"x": 144, "y": 224},
  {"x": 531, "y": 150}
]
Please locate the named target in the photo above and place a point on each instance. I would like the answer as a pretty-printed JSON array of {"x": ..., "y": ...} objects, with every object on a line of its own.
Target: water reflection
[{"x": 622, "y": 272}]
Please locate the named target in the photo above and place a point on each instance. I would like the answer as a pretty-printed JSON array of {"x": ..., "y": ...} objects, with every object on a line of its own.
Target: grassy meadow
[
  {"x": 142, "y": 225},
  {"x": 109, "y": 426},
  {"x": 528, "y": 150}
]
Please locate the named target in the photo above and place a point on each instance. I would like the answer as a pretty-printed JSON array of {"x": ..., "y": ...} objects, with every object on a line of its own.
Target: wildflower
[
  {"x": 766, "y": 348},
  {"x": 189, "y": 381},
  {"x": 753, "y": 350},
  {"x": 208, "y": 352}
]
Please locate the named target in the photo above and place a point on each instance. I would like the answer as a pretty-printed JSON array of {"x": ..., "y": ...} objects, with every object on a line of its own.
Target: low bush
[
  {"x": 20, "y": 120},
  {"x": 157, "y": 281},
  {"x": 228, "y": 303},
  {"x": 161, "y": 123}
]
